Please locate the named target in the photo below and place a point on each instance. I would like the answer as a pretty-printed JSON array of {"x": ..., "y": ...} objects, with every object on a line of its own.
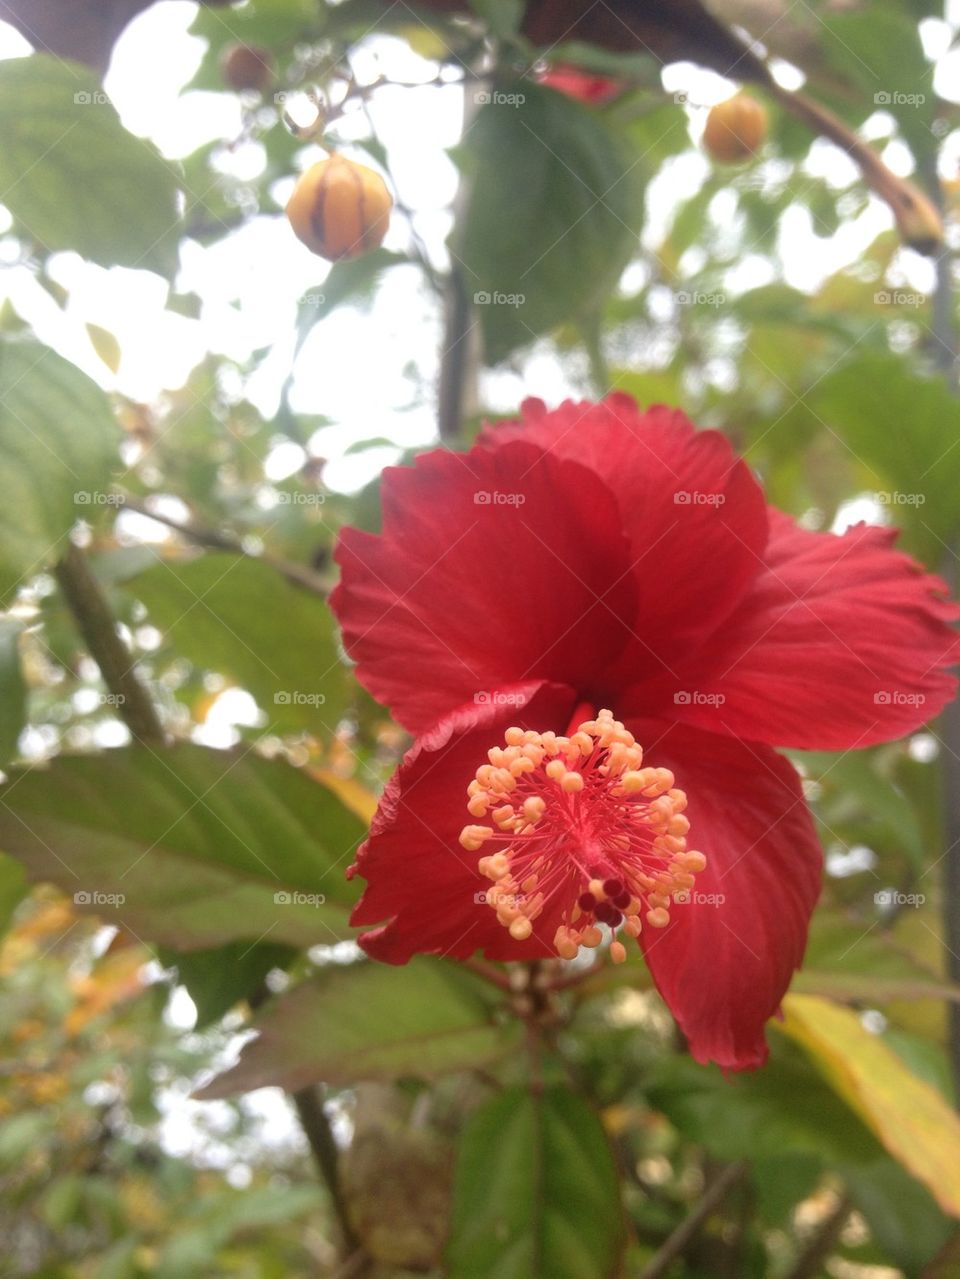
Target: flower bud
[
  {"x": 340, "y": 209},
  {"x": 246, "y": 67},
  {"x": 735, "y": 129}
]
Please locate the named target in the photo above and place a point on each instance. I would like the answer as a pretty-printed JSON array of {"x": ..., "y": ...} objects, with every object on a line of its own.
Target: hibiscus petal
[
  {"x": 726, "y": 959},
  {"x": 493, "y": 567},
  {"x": 418, "y": 877},
  {"x": 693, "y": 512},
  {"x": 841, "y": 642}
]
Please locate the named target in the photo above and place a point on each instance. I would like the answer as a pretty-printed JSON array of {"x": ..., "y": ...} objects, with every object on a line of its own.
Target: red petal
[
  {"x": 493, "y": 567},
  {"x": 695, "y": 516},
  {"x": 842, "y": 642},
  {"x": 419, "y": 879},
  {"x": 724, "y": 965}
]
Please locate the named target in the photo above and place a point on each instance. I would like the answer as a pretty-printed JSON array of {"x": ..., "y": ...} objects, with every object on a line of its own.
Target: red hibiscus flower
[
  {"x": 595, "y": 562},
  {"x": 593, "y": 89}
]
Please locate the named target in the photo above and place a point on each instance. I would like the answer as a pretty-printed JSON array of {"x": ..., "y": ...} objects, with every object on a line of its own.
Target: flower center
[{"x": 582, "y": 835}]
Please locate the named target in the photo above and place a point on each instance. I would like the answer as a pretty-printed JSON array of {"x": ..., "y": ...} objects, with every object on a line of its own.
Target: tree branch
[
  {"x": 88, "y": 604},
  {"x": 678, "y": 1241}
]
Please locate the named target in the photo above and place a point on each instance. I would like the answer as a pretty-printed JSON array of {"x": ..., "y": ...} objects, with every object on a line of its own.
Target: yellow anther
[
  {"x": 659, "y": 917},
  {"x": 534, "y": 808},
  {"x": 692, "y": 861},
  {"x": 504, "y": 814},
  {"x": 596, "y": 887},
  {"x": 592, "y": 936},
  {"x": 478, "y": 805},
  {"x": 583, "y": 742},
  {"x": 521, "y": 928},
  {"x": 472, "y": 837},
  {"x": 494, "y": 867},
  {"x": 632, "y": 926},
  {"x": 678, "y": 825},
  {"x": 555, "y": 769},
  {"x": 571, "y": 783},
  {"x": 618, "y": 952},
  {"x": 514, "y": 736},
  {"x": 522, "y": 765}
]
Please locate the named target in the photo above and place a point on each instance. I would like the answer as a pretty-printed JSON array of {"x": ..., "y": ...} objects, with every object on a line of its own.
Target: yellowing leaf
[
  {"x": 359, "y": 800},
  {"x": 908, "y": 1115},
  {"x": 106, "y": 346}
]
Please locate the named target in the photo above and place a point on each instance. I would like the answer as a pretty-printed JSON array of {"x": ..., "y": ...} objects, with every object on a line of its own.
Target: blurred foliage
[{"x": 600, "y": 239}]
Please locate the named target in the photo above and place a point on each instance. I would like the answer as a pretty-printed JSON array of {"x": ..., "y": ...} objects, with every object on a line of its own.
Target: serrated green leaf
[
  {"x": 369, "y": 1021},
  {"x": 536, "y": 1191},
  {"x": 58, "y": 445},
  {"x": 188, "y": 847},
  {"x": 71, "y": 174}
]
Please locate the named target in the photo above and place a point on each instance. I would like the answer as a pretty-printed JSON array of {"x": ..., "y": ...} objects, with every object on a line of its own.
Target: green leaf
[
  {"x": 556, "y": 202},
  {"x": 58, "y": 444},
  {"x": 900, "y": 1213},
  {"x": 71, "y": 174},
  {"x": 13, "y": 691},
  {"x": 231, "y": 614},
  {"x": 217, "y": 979},
  {"x": 351, "y": 281},
  {"x": 369, "y": 1021},
  {"x": 188, "y": 847},
  {"x": 903, "y": 428},
  {"x": 13, "y": 889},
  {"x": 536, "y": 1191}
]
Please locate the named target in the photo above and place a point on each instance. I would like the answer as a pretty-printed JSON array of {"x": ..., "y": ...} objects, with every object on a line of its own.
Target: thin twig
[
  {"x": 323, "y": 1146},
  {"x": 810, "y": 1262},
  {"x": 678, "y": 1241},
  {"x": 88, "y": 604},
  {"x": 215, "y": 540}
]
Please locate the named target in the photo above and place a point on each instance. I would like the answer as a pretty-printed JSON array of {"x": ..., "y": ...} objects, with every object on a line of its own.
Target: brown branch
[
  {"x": 298, "y": 574},
  {"x": 319, "y": 1135},
  {"x": 810, "y": 1262},
  {"x": 87, "y": 602},
  {"x": 684, "y": 1234}
]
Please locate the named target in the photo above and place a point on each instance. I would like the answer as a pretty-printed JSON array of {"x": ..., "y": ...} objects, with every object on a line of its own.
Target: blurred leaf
[
  {"x": 106, "y": 345},
  {"x": 204, "y": 847},
  {"x": 904, "y": 429},
  {"x": 231, "y": 614},
  {"x": 556, "y": 203},
  {"x": 352, "y": 281},
  {"x": 901, "y": 1214},
  {"x": 58, "y": 443},
  {"x": 369, "y": 1021},
  {"x": 13, "y": 692},
  {"x": 217, "y": 979},
  {"x": 909, "y": 1117},
  {"x": 72, "y": 175},
  {"x": 13, "y": 889},
  {"x": 536, "y": 1191}
]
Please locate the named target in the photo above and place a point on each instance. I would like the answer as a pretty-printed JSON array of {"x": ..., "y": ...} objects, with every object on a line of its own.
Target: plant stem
[
  {"x": 316, "y": 1127},
  {"x": 88, "y": 604},
  {"x": 810, "y": 1262},
  {"x": 711, "y": 1199}
]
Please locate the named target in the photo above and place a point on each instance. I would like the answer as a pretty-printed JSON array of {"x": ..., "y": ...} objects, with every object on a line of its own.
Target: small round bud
[
  {"x": 340, "y": 209},
  {"x": 247, "y": 68},
  {"x": 735, "y": 129}
]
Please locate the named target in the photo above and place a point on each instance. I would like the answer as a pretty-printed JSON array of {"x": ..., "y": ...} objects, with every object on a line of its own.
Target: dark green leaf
[
  {"x": 369, "y": 1021},
  {"x": 219, "y": 978},
  {"x": 13, "y": 692},
  {"x": 536, "y": 1191},
  {"x": 203, "y": 847}
]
